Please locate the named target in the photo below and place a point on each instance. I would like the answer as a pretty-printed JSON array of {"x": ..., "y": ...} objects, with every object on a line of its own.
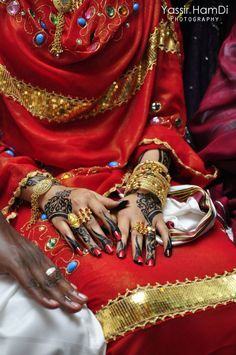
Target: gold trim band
[{"x": 149, "y": 304}]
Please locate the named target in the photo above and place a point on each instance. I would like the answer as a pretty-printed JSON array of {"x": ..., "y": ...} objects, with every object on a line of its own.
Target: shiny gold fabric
[{"x": 149, "y": 304}]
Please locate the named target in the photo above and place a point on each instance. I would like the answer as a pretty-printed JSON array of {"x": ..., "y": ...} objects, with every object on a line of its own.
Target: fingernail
[
  {"x": 74, "y": 245},
  {"x": 109, "y": 249},
  {"x": 75, "y": 305},
  {"x": 75, "y": 287},
  {"x": 52, "y": 302},
  {"x": 96, "y": 251},
  {"x": 150, "y": 262},
  {"x": 82, "y": 296},
  {"x": 139, "y": 260},
  {"x": 121, "y": 254},
  {"x": 168, "y": 251},
  {"x": 117, "y": 235},
  {"x": 79, "y": 251}
]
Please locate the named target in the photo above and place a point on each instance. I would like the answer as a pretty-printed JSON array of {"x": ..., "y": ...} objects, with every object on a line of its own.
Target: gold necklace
[{"x": 62, "y": 6}]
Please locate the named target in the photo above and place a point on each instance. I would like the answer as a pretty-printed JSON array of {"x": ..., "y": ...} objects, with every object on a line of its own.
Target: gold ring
[
  {"x": 84, "y": 215},
  {"x": 73, "y": 220},
  {"x": 141, "y": 228}
]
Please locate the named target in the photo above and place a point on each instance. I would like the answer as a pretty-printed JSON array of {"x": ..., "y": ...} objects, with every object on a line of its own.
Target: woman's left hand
[{"x": 144, "y": 208}]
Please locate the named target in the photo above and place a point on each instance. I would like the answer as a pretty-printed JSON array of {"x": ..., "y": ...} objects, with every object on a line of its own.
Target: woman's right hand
[
  {"x": 28, "y": 265},
  {"x": 60, "y": 201}
]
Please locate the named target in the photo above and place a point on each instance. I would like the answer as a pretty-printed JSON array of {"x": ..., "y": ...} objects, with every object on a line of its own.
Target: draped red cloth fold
[{"x": 214, "y": 130}]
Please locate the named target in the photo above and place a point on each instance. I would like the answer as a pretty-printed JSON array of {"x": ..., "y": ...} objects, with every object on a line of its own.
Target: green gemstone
[
  {"x": 51, "y": 243},
  {"x": 32, "y": 13},
  {"x": 156, "y": 106},
  {"x": 53, "y": 18},
  {"x": 110, "y": 11}
]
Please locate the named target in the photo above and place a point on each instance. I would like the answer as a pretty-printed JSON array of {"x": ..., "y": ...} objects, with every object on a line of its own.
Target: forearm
[{"x": 157, "y": 155}]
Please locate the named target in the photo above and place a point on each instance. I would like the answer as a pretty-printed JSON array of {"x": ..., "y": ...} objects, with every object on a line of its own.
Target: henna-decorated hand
[
  {"x": 27, "y": 264},
  {"x": 59, "y": 201},
  {"x": 145, "y": 208}
]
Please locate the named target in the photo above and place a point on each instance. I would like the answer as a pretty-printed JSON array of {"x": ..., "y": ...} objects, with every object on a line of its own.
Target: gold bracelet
[
  {"x": 153, "y": 166},
  {"x": 38, "y": 190},
  {"x": 151, "y": 176}
]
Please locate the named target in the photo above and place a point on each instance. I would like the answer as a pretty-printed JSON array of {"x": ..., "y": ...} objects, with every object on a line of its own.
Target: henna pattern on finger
[
  {"x": 138, "y": 253},
  {"x": 59, "y": 205},
  {"x": 150, "y": 205},
  {"x": 74, "y": 245},
  {"x": 114, "y": 228},
  {"x": 168, "y": 251},
  {"x": 82, "y": 233},
  {"x": 105, "y": 243},
  {"x": 150, "y": 248},
  {"x": 121, "y": 249}
]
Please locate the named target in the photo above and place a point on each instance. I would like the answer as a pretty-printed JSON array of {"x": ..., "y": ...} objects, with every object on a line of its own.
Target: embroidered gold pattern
[
  {"x": 60, "y": 108},
  {"x": 178, "y": 160},
  {"x": 148, "y": 304}
]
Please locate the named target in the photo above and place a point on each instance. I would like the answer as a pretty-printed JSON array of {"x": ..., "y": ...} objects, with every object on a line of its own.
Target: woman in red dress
[{"x": 91, "y": 90}]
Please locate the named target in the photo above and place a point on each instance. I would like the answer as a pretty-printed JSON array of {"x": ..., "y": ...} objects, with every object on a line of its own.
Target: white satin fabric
[
  {"x": 187, "y": 216},
  {"x": 27, "y": 328}
]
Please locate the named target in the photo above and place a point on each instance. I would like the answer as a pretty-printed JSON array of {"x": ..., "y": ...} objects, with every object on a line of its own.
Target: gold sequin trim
[
  {"x": 58, "y": 108},
  {"x": 178, "y": 160},
  {"x": 148, "y": 304},
  {"x": 17, "y": 192}
]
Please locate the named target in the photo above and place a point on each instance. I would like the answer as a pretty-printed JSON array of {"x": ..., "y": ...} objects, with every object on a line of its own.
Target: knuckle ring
[
  {"x": 141, "y": 228},
  {"x": 50, "y": 271},
  {"x": 83, "y": 216}
]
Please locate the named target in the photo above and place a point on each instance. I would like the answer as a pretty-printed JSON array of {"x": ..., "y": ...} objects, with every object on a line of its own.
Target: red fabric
[
  {"x": 214, "y": 129},
  {"x": 208, "y": 332},
  {"x": 106, "y": 137}
]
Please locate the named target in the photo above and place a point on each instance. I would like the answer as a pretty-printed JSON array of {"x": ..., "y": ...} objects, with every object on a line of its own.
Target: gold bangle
[
  {"x": 151, "y": 176},
  {"x": 150, "y": 165},
  {"x": 38, "y": 190}
]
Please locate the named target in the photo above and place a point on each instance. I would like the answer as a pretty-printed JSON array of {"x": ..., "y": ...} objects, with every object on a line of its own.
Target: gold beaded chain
[{"x": 62, "y": 7}]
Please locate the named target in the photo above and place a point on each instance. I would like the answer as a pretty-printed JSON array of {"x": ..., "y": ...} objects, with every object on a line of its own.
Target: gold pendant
[{"x": 62, "y": 6}]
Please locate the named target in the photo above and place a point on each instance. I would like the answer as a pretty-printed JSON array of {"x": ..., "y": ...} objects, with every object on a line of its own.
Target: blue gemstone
[
  {"x": 10, "y": 152},
  {"x": 81, "y": 22},
  {"x": 43, "y": 24},
  {"x": 72, "y": 266},
  {"x": 44, "y": 216},
  {"x": 39, "y": 38},
  {"x": 113, "y": 164},
  {"x": 136, "y": 7}
]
